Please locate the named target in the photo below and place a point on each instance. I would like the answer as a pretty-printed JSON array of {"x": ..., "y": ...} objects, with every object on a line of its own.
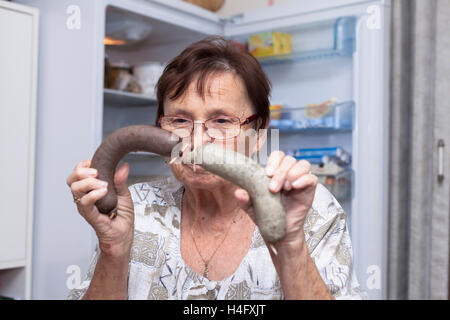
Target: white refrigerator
[{"x": 339, "y": 50}]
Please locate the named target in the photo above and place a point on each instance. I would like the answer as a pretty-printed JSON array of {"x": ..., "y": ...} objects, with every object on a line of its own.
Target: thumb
[
  {"x": 245, "y": 202},
  {"x": 120, "y": 180}
]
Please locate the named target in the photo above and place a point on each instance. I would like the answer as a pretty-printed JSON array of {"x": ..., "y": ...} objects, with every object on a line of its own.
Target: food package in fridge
[
  {"x": 336, "y": 179},
  {"x": 148, "y": 74},
  {"x": 270, "y": 44},
  {"x": 315, "y": 111},
  {"x": 324, "y": 155},
  {"x": 119, "y": 78},
  {"x": 275, "y": 111}
]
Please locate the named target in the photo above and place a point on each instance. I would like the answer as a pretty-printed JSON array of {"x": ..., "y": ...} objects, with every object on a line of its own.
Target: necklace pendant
[{"x": 206, "y": 272}]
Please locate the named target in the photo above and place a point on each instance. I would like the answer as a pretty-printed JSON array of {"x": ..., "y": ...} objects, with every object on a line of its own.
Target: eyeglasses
[{"x": 220, "y": 128}]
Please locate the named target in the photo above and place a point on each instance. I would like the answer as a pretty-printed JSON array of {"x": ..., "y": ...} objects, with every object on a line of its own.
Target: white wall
[{"x": 66, "y": 131}]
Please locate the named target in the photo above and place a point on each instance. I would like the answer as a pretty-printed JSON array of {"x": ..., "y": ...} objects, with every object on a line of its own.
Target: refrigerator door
[{"x": 340, "y": 55}]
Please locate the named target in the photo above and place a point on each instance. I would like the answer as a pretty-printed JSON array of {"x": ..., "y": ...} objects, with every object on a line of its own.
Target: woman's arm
[
  {"x": 299, "y": 277},
  {"x": 298, "y": 274},
  {"x": 110, "y": 279}
]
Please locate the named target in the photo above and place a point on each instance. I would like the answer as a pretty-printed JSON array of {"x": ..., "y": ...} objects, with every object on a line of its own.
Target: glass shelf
[
  {"x": 122, "y": 98},
  {"x": 303, "y": 56},
  {"x": 314, "y": 119},
  {"x": 340, "y": 184},
  {"x": 341, "y": 45}
]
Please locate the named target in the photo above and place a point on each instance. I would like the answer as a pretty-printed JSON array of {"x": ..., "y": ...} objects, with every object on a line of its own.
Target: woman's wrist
[
  {"x": 117, "y": 252},
  {"x": 290, "y": 253},
  {"x": 110, "y": 278}
]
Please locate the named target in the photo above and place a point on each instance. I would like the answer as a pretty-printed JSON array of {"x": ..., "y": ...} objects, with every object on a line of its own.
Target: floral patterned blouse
[{"x": 157, "y": 270}]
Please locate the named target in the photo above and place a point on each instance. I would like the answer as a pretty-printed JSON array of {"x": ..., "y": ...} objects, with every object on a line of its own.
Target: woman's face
[{"x": 226, "y": 97}]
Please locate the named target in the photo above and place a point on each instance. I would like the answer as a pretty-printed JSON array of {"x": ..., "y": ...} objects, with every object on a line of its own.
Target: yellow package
[
  {"x": 269, "y": 44},
  {"x": 286, "y": 43}
]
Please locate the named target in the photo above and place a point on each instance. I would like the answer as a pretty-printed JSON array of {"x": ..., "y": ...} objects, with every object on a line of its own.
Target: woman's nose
[{"x": 199, "y": 135}]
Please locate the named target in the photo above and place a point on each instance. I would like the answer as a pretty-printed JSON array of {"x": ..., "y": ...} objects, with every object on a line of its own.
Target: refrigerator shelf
[
  {"x": 340, "y": 184},
  {"x": 304, "y": 56},
  {"x": 318, "y": 119},
  {"x": 124, "y": 99},
  {"x": 341, "y": 44}
]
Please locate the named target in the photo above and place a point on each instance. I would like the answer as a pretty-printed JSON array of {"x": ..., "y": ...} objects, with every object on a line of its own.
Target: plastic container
[
  {"x": 340, "y": 184},
  {"x": 148, "y": 74},
  {"x": 336, "y": 117}
]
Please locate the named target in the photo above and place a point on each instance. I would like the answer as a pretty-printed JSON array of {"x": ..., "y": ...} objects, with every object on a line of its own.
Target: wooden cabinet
[{"x": 18, "y": 76}]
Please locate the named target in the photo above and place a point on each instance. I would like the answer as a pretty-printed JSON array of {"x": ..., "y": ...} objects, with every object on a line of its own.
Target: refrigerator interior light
[{"x": 126, "y": 29}]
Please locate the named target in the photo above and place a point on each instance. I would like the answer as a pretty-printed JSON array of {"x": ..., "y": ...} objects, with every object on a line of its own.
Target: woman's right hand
[{"x": 115, "y": 236}]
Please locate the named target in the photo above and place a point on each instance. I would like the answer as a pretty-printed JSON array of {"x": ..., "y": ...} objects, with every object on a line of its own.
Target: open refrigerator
[
  {"x": 337, "y": 56},
  {"x": 332, "y": 90}
]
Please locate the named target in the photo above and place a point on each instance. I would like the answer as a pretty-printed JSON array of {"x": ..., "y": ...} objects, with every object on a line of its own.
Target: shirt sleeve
[
  {"x": 330, "y": 246},
  {"x": 78, "y": 291}
]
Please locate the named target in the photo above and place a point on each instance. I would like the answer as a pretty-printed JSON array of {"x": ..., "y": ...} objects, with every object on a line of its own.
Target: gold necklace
[{"x": 206, "y": 262}]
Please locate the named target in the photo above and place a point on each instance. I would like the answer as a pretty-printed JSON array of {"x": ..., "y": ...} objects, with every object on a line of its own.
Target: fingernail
[
  {"x": 269, "y": 171},
  {"x": 296, "y": 183},
  {"x": 273, "y": 185},
  {"x": 287, "y": 185},
  {"x": 104, "y": 184},
  {"x": 92, "y": 172}
]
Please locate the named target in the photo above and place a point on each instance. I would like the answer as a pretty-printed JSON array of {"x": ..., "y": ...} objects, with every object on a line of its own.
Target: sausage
[
  {"x": 125, "y": 140},
  {"x": 235, "y": 167}
]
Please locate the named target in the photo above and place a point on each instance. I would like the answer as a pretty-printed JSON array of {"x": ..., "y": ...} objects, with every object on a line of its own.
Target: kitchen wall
[{"x": 232, "y": 7}]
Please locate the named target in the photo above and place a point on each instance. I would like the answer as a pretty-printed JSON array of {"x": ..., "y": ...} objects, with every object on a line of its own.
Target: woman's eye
[
  {"x": 180, "y": 120},
  {"x": 222, "y": 121}
]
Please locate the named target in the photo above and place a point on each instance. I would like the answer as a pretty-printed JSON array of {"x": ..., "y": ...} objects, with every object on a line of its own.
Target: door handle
[{"x": 440, "y": 175}]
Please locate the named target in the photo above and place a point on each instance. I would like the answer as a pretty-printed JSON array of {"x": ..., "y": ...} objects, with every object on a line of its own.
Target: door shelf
[
  {"x": 124, "y": 99},
  {"x": 304, "y": 56},
  {"x": 318, "y": 119},
  {"x": 340, "y": 184},
  {"x": 341, "y": 44}
]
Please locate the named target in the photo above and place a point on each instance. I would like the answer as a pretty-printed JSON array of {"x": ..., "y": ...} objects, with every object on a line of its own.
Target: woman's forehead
[{"x": 224, "y": 91}]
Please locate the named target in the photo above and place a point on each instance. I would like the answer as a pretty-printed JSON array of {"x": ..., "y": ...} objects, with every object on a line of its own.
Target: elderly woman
[{"x": 192, "y": 236}]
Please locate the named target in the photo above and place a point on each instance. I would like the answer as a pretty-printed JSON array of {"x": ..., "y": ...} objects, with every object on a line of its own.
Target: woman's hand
[
  {"x": 115, "y": 236},
  {"x": 297, "y": 186}
]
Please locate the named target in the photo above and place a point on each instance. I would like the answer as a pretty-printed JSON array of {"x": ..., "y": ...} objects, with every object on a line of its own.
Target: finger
[
  {"x": 300, "y": 168},
  {"x": 82, "y": 187},
  {"x": 88, "y": 202},
  {"x": 120, "y": 180},
  {"x": 280, "y": 174},
  {"x": 83, "y": 164},
  {"x": 305, "y": 181},
  {"x": 274, "y": 162},
  {"x": 79, "y": 173},
  {"x": 243, "y": 199},
  {"x": 245, "y": 202}
]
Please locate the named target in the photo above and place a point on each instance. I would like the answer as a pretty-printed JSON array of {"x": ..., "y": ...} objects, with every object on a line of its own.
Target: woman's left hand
[{"x": 297, "y": 185}]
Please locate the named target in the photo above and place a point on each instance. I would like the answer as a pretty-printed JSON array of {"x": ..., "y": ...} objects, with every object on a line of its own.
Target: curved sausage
[
  {"x": 235, "y": 167},
  {"x": 125, "y": 140}
]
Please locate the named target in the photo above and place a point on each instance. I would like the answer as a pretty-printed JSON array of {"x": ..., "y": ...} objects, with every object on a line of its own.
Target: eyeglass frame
[{"x": 246, "y": 121}]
